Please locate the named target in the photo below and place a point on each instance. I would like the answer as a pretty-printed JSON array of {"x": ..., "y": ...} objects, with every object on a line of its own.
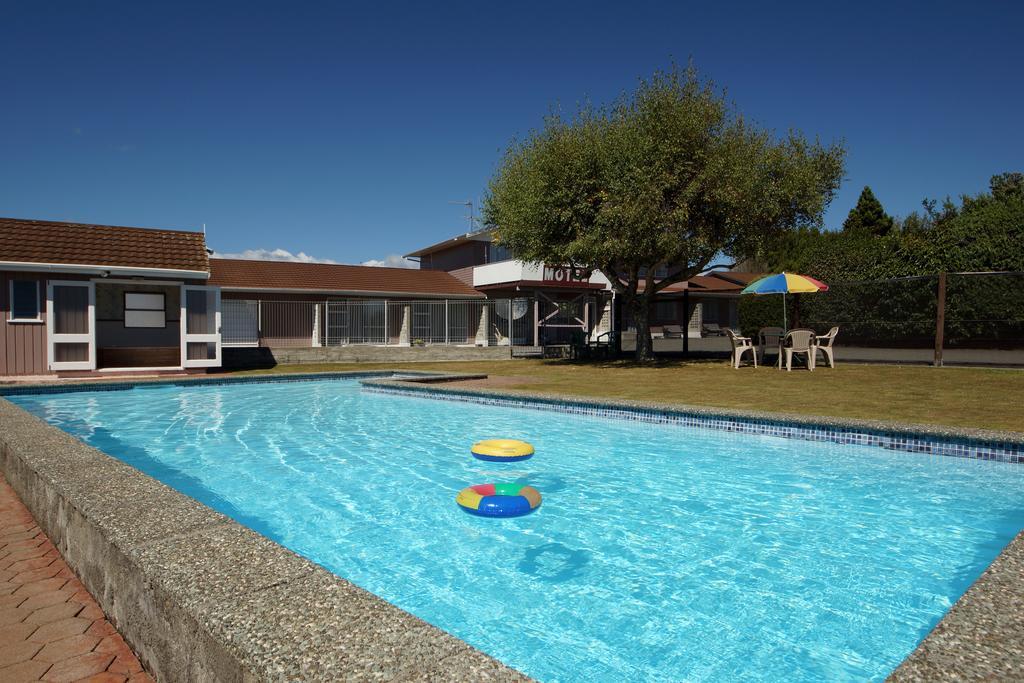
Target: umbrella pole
[{"x": 785, "y": 328}]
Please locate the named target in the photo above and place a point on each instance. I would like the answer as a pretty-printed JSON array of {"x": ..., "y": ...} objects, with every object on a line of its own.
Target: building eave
[
  {"x": 542, "y": 284},
  {"x": 90, "y": 269},
  {"x": 350, "y": 292}
]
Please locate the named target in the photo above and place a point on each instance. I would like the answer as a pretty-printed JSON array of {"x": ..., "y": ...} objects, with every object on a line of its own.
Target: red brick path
[{"x": 50, "y": 627}]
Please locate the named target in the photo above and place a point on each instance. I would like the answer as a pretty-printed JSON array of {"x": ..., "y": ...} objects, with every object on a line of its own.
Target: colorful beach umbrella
[{"x": 785, "y": 283}]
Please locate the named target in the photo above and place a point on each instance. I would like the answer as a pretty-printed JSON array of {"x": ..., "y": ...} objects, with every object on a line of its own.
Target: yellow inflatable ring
[{"x": 502, "y": 450}]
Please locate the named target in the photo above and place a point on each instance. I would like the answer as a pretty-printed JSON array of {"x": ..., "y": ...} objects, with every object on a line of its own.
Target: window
[
  {"x": 659, "y": 274},
  {"x": 665, "y": 310},
  {"x": 498, "y": 253},
  {"x": 24, "y": 301},
  {"x": 144, "y": 310}
]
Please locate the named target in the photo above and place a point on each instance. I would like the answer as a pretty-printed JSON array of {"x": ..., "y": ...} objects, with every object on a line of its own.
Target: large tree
[{"x": 660, "y": 182}]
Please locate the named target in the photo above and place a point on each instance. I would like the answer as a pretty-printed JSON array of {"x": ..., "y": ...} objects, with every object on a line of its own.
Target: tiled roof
[
  {"x": 737, "y": 277},
  {"x": 29, "y": 241},
  {"x": 722, "y": 282},
  {"x": 328, "y": 277}
]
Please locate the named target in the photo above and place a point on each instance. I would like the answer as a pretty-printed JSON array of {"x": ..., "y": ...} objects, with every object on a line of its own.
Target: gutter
[{"x": 101, "y": 270}]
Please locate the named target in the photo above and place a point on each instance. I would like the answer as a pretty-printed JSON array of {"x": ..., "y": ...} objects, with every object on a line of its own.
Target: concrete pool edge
[
  {"x": 980, "y": 637},
  {"x": 201, "y": 597}
]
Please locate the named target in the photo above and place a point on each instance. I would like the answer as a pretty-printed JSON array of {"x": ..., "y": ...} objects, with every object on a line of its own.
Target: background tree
[
  {"x": 663, "y": 181},
  {"x": 868, "y": 217}
]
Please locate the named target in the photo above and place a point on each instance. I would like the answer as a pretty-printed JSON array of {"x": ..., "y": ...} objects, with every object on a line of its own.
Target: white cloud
[
  {"x": 391, "y": 261},
  {"x": 273, "y": 255}
]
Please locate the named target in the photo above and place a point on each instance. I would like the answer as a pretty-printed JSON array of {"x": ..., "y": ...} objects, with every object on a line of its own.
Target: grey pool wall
[
  {"x": 201, "y": 597},
  {"x": 198, "y": 596}
]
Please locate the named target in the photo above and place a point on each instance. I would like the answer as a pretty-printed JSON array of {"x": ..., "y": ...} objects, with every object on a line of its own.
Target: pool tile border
[{"x": 967, "y": 443}]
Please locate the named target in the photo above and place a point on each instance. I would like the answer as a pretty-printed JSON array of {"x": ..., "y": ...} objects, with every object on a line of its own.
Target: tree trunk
[{"x": 640, "y": 309}]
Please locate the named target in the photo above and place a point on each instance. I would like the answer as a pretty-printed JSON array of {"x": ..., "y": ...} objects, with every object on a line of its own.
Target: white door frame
[
  {"x": 53, "y": 338},
  {"x": 207, "y": 338}
]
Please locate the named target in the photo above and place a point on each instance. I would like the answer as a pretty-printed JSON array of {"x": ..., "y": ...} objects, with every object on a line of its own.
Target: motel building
[{"x": 79, "y": 299}]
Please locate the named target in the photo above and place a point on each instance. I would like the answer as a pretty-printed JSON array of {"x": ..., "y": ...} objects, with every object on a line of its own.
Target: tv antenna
[{"x": 471, "y": 216}]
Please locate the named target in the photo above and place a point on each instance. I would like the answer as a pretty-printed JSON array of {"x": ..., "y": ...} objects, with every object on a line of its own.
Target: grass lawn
[{"x": 965, "y": 397}]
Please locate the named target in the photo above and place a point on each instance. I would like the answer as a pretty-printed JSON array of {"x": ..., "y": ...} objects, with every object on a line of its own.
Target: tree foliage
[
  {"x": 660, "y": 181},
  {"x": 868, "y": 216}
]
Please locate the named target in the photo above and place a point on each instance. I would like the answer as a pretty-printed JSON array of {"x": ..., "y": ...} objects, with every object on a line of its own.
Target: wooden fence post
[
  {"x": 940, "y": 319},
  {"x": 686, "y": 321}
]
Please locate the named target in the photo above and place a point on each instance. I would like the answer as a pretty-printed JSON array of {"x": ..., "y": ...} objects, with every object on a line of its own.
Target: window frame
[
  {"x": 495, "y": 250},
  {"x": 125, "y": 308},
  {"x": 10, "y": 299}
]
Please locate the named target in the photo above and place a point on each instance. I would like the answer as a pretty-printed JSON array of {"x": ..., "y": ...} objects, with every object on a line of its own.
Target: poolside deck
[{"x": 51, "y": 628}]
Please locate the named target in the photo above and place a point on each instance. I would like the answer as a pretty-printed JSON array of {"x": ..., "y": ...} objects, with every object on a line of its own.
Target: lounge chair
[
  {"x": 740, "y": 345},
  {"x": 673, "y": 331},
  {"x": 823, "y": 343},
  {"x": 657, "y": 332},
  {"x": 502, "y": 340},
  {"x": 713, "y": 330},
  {"x": 797, "y": 341}
]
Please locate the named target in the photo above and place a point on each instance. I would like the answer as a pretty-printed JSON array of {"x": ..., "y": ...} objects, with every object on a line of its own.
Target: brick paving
[{"x": 51, "y": 629}]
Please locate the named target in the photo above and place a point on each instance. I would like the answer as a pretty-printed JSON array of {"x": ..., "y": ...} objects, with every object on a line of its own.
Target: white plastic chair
[
  {"x": 823, "y": 343},
  {"x": 797, "y": 341},
  {"x": 740, "y": 345}
]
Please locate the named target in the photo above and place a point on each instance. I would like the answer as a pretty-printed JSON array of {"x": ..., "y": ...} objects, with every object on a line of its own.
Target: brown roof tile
[
  {"x": 735, "y": 276},
  {"x": 718, "y": 282},
  {"x": 328, "y": 277},
  {"x": 30, "y": 241}
]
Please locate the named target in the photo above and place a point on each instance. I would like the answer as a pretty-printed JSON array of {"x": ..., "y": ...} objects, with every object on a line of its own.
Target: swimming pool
[{"x": 660, "y": 552}]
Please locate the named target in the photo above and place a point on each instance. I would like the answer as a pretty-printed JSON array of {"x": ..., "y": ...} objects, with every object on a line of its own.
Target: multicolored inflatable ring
[
  {"x": 502, "y": 450},
  {"x": 499, "y": 500}
]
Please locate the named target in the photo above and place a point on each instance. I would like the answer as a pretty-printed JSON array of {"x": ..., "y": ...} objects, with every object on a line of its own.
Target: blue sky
[{"x": 343, "y": 131}]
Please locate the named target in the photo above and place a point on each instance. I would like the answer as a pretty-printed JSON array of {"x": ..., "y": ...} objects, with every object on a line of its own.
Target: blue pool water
[{"x": 660, "y": 552}]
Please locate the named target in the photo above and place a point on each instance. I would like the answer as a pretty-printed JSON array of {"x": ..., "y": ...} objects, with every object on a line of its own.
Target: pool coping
[
  {"x": 198, "y": 595},
  {"x": 977, "y": 638}
]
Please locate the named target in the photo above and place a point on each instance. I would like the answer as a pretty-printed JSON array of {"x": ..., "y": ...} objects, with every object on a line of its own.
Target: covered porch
[{"x": 107, "y": 325}]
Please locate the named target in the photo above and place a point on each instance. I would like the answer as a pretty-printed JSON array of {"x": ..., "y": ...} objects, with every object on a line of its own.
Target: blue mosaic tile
[{"x": 791, "y": 429}]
